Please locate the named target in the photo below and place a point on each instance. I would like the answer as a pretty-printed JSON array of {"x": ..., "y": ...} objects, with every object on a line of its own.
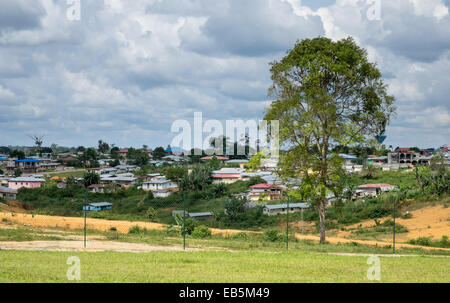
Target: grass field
[{"x": 217, "y": 266}]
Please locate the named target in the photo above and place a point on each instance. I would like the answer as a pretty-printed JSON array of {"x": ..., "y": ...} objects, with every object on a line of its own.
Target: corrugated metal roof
[
  {"x": 265, "y": 186},
  {"x": 7, "y": 190},
  {"x": 26, "y": 179},
  {"x": 227, "y": 176},
  {"x": 204, "y": 214},
  {"x": 281, "y": 206},
  {"x": 29, "y": 160},
  {"x": 100, "y": 204}
]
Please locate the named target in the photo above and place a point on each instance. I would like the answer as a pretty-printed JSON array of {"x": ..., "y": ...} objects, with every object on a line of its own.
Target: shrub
[
  {"x": 422, "y": 241},
  {"x": 113, "y": 228},
  {"x": 201, "y": 232},
  {"x": 136, "y": 230},
  {"x": 190, "y": 226},
  {"x": 272, "y": 235},
  {"x": 151, "y": 213}
]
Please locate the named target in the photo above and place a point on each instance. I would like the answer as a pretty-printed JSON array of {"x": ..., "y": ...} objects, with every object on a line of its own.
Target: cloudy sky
[{"x": 127, "y": 69}]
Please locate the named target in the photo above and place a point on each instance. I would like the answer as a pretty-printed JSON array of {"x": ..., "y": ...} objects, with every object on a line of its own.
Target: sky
[{"x": 123, "y": 71}]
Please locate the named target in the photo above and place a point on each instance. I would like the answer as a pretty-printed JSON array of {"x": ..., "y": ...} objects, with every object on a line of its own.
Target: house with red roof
[
  {"x": 265, "y": 192},
  {"x": 227, "y": 175}
]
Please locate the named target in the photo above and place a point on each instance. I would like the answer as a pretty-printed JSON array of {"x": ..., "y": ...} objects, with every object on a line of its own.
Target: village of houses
[{"x": 37, "y": 170}]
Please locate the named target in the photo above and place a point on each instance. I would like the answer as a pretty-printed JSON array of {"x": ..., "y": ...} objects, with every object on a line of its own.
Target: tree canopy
[{"x": 327, "y": 94}]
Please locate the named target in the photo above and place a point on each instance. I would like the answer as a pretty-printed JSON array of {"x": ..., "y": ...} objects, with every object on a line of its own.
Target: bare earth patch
[
  {"x": 431, "y": 221},
  {"x": 92, "y": 246},
  {"x": 75, "y": 223}
]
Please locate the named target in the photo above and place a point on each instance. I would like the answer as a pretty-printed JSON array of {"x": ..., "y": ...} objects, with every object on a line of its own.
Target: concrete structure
[
  {"x": 275, "y": 209},
  {"x": 226, "y": 175},
  {"x": 373, "y": 190},
  {"x": 159, "y": 184},
  {"x": 21, "y": 182},
  {"x": 265, "y": 192},
  {"x": 8, "y": 193},
  {"x": 121, "y": 181},
  {"x": 28, "y": 166},
  {"x": 97, "y": 188}
]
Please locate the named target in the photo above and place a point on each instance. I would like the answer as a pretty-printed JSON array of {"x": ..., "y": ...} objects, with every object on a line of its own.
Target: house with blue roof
[{"x": 28, "y": 166}]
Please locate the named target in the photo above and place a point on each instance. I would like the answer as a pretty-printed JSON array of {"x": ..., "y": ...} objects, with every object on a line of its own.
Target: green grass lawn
[{"x": 216, "y": 266}]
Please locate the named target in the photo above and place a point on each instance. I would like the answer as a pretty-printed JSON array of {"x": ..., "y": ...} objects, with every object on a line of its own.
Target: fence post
[
  {"x": 287, "y": 224},
  {"x": 184, "y": 221},
  {"x": 85, "y": 229}
]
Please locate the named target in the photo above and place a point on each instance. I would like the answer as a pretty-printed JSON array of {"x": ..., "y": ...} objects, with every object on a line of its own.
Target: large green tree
[{"x": 327, "y": 94}]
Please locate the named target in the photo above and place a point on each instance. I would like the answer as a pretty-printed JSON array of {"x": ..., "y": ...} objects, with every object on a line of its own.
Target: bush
[
  {"x": 190, "y": 226},
  {"x": 272, "y": 235},
  {"x": 201, "y": 232},
  {"x": 113, "y": 228},
  {"x": 151, "y": 213},
  {"x": 136, "y": 230},
  {"x": 422, "y": 241}
]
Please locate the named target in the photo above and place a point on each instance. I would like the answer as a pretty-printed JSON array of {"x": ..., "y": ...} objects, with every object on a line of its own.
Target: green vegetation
[
  {"x": 24, "y": 234},
  {"x": 203, "y": 266},
  {"x": 327, "y": 93},
  {"x": 428, "y": 241}
]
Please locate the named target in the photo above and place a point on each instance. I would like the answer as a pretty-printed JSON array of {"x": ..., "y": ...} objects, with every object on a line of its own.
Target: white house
[
  {"x": 159, "y": 184},
  {"x": 275, "y": 209}
]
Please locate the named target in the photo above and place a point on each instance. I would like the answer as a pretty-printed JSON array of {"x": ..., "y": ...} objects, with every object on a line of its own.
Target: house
[
  {"x": 268, "y": 192},
  {"x": 178, "y": 151},
  {"x": 26, "y": 182},
  {"x": 373, "y": 190},
  {"x": 377, "y": 161},
  {"x": 275, "y": 209},
  {"x": 269, "y": 163},
  {"x": 226, "y": 175},
  {"x": 349, "y": 160},
  {"x": 159, "y": 184},
  {"x": 8, "y": 193},
  {"x": 28, "y": 166},
  {"x": 97, "y": 206},
  {"x": 402, "y": 157},
  {"x": 126, "y": 168},
  {"x": 151, "y": 177},
  {"x": 123, "y": 152},
  {"x": 4, "y": 180},
  {"x": 97, "y": 188},
  {"x": 121, "y": 181},
  {"x": 202, "y": 216},
  {"x": 173, "y": 158}
]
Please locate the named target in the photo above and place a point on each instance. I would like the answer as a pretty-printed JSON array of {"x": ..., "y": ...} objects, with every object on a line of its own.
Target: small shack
[
  {"x": 202, "y": 216},
  {"x": 275, "y": 209},
  {"x": 97, "y": 206}
]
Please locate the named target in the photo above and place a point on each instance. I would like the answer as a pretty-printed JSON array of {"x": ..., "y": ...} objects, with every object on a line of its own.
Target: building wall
[{"x": 17, "y": 185}]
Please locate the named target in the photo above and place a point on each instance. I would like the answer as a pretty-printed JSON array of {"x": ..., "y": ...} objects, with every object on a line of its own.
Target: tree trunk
[{"x": 322, "y": 208}]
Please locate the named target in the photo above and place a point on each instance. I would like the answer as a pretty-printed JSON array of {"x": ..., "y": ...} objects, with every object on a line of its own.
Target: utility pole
[
  {"x": 393, "y": 239},
  {"x": 287, "y": 224},
  {"x": 85, "y": 221},
  {"x": 184, "y": 221}
]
